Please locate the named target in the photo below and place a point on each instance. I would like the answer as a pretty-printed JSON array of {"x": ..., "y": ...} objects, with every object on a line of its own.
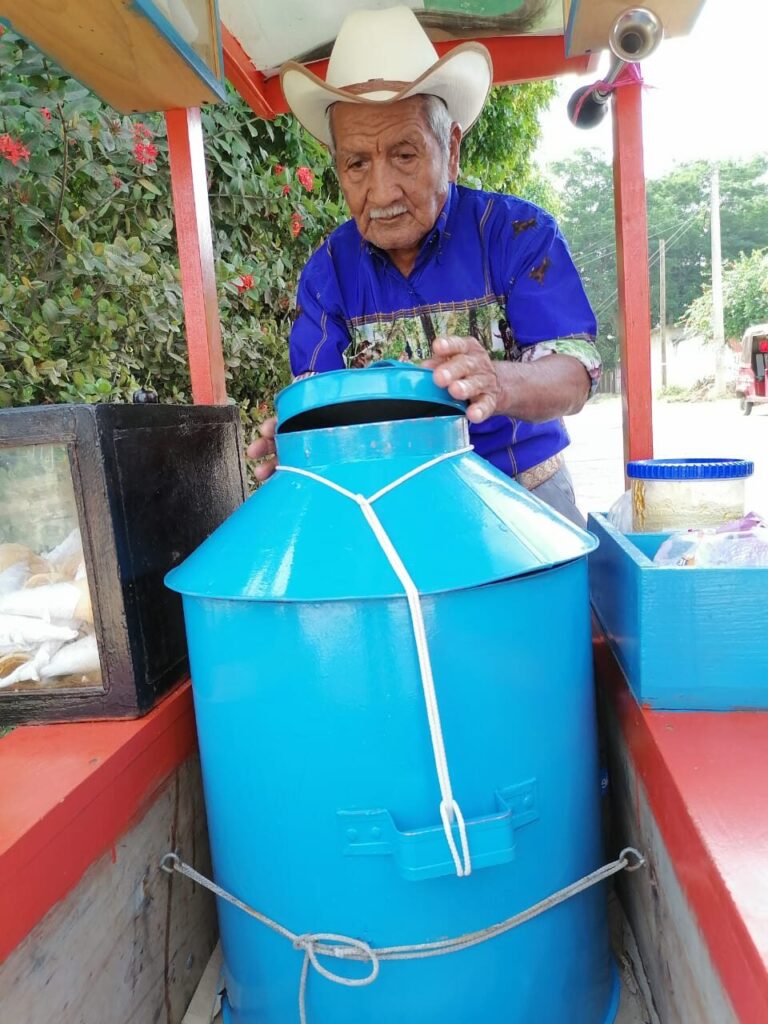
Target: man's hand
[
  {"x": 264, "y": 448},
  {"x": 542, "y": 389},
  {"x": 465, "y": 369}
]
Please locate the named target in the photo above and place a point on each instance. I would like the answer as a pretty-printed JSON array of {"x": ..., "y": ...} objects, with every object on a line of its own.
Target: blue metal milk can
[{"x": 392, "y": 675}]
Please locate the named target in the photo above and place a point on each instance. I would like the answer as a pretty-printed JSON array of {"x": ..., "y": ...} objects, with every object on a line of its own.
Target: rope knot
[{"x": 315, "y": 945}]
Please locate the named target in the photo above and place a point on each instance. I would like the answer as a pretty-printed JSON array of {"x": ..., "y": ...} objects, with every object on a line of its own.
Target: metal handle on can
[{"x": 423, "y": 853}]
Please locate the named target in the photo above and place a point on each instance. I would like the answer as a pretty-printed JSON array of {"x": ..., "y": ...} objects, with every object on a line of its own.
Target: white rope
[
  {"x": 317, "y": 944},
  {"x": 450, "y": 811}
]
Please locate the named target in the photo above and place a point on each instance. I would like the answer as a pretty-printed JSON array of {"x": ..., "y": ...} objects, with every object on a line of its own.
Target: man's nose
[{"x": 383, "y": 189}]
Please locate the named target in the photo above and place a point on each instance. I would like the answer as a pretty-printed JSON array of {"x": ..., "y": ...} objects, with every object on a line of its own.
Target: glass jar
[{"x": 678, "y": 494}]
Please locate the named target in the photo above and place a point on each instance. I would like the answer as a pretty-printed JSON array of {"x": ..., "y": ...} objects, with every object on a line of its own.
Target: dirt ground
[{"x": 680, "y": 429}]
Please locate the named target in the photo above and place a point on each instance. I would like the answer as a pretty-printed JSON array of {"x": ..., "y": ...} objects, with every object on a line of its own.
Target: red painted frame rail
[
  {"x": 706, "y": 778},
  {"x": 69, "y": 792}
]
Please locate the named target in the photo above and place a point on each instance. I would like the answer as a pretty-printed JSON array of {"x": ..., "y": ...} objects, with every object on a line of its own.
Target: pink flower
[
  {"x": 46, "y": 114},
  {"x": 297, "y": 223},
  {"x": 306, "y": 177},
  {"x": 145, "y": 153},
  {"x": 117, "y": 182},
  {"x": 245, "y": 282},
  {"x": 278, "y": 168},
  {"x": 140, "y": 131},
  {"x": 286, "y": 190},
  {"x": 13, "y": 149}
]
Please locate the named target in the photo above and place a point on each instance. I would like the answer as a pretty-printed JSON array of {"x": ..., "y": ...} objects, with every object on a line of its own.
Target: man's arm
[{"x": 536, "y": 391}]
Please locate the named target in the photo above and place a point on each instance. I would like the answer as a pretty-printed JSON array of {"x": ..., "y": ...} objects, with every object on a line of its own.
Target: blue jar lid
[
  {"x": 392, "y": 390},
  {"x": 689, "y": 469}
]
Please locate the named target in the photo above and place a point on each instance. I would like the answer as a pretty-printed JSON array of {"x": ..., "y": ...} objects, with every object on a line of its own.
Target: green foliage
[
  {"x": 586, "y": 219},
  {"x": 678, "y": 211},
  {"x": 90, "y": 292},
  {"x": 745, "y": 297},
  {"x": 497, "y": 153}
]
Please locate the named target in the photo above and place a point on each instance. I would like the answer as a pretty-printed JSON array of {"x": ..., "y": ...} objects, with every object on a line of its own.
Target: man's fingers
[
  {"x": 481, "y": 409},
  {"x": 452, "y": 345},
  {"x": 269, "y": 427},
  {"x": 457, "y": 368},
  {"x": 472, "y": 387},
  {"x": 264, "y": 448},
  {"x": 261, "y": 448},
  {"x": 265, "y": 470}
]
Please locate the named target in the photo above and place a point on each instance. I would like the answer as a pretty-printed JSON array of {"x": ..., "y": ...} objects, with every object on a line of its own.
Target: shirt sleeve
[
  {"x": 547, "y": 308},
  {"x": 319, "y": 334}
]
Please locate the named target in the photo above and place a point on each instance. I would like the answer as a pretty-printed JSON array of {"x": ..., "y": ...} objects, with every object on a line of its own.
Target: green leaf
[{"x": 50, "y": 311}]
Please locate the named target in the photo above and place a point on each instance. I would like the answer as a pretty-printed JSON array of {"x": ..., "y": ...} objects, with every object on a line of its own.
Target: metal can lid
[
  {"x": 384, "y": 390},
  {"x": 690, "y": 469}
]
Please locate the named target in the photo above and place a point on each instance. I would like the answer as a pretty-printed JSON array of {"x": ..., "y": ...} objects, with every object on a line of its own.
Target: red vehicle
[{"x": 750, "y": 383}]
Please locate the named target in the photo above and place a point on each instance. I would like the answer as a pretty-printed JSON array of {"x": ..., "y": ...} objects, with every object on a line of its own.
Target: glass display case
[
  {"x": 97, "y": 503},
  {"x": 47, "y": 636}
]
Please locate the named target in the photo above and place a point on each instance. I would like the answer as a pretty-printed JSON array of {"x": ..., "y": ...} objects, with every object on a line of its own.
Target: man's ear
[{"x": 454, "y": 150}]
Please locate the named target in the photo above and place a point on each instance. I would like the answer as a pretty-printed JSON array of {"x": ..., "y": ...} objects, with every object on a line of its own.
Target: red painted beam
[
  {"x": 69, "y": 792},
  {"x": 195, "y": 244},
  {"x": 243, "y": 75},
  {"x": 632, "y": 269},
  {"x": 515, "y": 59},
  {"x": 706, "y": 778}
]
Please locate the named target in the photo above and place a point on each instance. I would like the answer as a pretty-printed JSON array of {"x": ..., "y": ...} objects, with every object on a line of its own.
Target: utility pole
[
  {"x": 718, "y": 327},
  {"x": 663, "y": 308}
]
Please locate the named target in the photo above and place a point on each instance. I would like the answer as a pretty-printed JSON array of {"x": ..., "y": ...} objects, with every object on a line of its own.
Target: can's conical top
[{"x": 457, "y": 524}]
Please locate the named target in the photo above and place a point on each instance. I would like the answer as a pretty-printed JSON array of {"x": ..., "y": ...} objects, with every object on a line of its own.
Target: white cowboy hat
[{"x": 386, "y": 56}]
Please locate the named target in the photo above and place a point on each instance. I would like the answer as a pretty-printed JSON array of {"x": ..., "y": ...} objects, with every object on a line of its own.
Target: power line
[{"x": 653, "y": 260}]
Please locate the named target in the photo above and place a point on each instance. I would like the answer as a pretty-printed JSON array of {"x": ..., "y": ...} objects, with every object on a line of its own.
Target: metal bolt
[{"x": 352, "y": 835}]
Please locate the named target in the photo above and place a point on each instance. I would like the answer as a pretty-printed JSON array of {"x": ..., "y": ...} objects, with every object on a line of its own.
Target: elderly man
[{"x": 480, "y": 286}]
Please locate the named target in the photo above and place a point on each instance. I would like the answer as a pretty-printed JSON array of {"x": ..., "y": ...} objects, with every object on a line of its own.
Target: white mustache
[{"x": 384, "y": 213}]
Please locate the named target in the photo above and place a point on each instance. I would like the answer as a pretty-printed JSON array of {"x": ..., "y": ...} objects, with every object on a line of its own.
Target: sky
[{"x": 707, "y": 95}]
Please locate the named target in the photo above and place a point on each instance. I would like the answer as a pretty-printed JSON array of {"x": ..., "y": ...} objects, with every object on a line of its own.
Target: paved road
[{"x": 681, "y": 429}]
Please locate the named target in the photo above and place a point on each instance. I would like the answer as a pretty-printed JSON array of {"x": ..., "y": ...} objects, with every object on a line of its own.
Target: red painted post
[
  {"x": 193, "y": 235},
  {"x": 632, "y": 269}
]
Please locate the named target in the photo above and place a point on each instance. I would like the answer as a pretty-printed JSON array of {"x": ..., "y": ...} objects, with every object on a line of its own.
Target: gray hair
[{"x": 435, "y": 114}]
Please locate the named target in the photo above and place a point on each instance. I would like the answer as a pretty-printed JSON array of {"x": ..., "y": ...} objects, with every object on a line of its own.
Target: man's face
[{"x": 392, "y": 172}]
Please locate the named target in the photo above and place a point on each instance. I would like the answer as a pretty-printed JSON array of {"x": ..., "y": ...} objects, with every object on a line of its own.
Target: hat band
[{"x": 374, "y": 85}]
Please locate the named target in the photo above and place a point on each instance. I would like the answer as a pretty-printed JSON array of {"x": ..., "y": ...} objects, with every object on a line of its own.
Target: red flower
[
  {"x": 306, "y": 177},
  {"x": 296, "y": 224},
  {"x": 145, "y": 153},
  {"x": 13, "y": 149},
  {"x": 2, "y": 30},
  {"x": 278, "y": 168},
  {"x": 245, "y": 282},
  {"x": 116, "y": 181},
  {"x": 286, "y": 190},
  {"x": 46, "y": 114},
  {"x": 140, "y": 131}
]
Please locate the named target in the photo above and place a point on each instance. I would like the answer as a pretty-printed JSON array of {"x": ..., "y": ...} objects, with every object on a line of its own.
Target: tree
[
  {"x": 586, "y": 190},
  {"x": 90, "y": 295},
  {"x": 678, "y": 211},
  {"x": 745, "y": 297},
  {"x": 498, "y": 152}
]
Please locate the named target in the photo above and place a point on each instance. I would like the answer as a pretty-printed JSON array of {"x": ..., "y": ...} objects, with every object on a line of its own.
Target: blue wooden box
[{"x": 686, "y": 639}]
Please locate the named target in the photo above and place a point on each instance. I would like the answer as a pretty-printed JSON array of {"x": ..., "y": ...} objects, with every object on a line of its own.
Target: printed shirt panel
[{"x": 494, "y": 268}]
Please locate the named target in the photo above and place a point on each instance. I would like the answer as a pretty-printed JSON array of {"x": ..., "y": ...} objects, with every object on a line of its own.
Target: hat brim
[{"x": 462, "y": 79}]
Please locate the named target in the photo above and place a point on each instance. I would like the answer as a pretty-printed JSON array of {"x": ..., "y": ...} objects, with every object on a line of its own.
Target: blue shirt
[{"x": 494, "y": 267}]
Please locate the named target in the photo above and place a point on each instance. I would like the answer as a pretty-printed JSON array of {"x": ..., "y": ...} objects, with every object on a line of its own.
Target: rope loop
[
  {"x": 317, "y": 944},
  {"x": 170, "y": 862},
  {"x": 633, "y": 858}
]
